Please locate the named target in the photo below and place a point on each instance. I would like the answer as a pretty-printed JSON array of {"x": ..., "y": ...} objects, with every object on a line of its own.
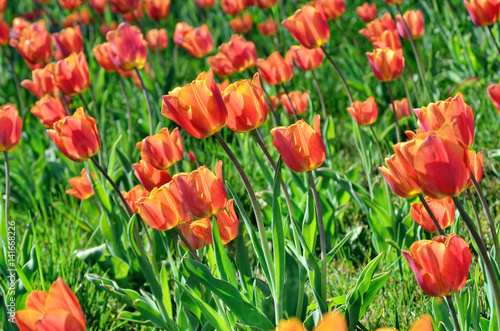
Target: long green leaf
[
  {"x": 278, "y": 243},
  {"x": 225, "y": 267}
]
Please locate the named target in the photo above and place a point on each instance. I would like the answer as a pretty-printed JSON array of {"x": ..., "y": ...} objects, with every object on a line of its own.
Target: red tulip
[
  {"x": 483, "y": 12},
  {"x": 123, "y": 6},
  {"x": 242, "y": 24},
  {"x": 364, "y": 113},
  {"x": 415, "y": 21},
  {"x": 162, "y": 150},
  {"x": 240, "y": 52},
  {"x": 300, "y": 146},
  {"x": 275, "y": 70},
  {"x": 306, "y": 59},
  {"x": 76, "y": 136},
  {"x": 157, "y": 39},
  {"x": 68, "y": 41},
  {"x": 71, "y": 4},
  {"x": 494, "y": 94},
  {"x": 402, "y": 108},
  {"x": 476, "y": 166},
  {"x": 333, "y": 8},
  {"x": 233, "y": 7},
  {"x": 98, "y": 6},
  {"x": 81, "y": 18},
  {"x": 101, "y": 54},
  {"x": 181, "y": 29},
  {"x": 367, "y": 12},
  {"x": 71, "y": 75},
  {"x": 221, "y": 65},
  {"x": 157, "y": 10},
  {"x": 149, "y": 176},
  {"x": 374, "y": 29},
  {"x": 203, "y": 192},
  {"x": 267, "y": 28},
  {"x": 49, "y": 110},
  {"x": 128, "y": 48},
  {"x": 197, "y": 107},
  {"x": 387, "y": 64},
  {"x": 4, "y": 33},
  {"x": 198, "y": 41},
  {"x": 441, "y": 265},
  {"x": 266, "y": 4},
  {"x": 34, "y": 44},
  {"x": 105, "y": 27},
  {"x": 443, "y": 210},
  {"x": 192, "y": 157},
  {"x": 41, "y": 83},
  {"x": 134, "y": 195},
  {"x": 81, "y": 187},
  {"x": 11, "y": 125},
  {"x": 300, "y": 102},
  {"x": 227, "y": 222}
]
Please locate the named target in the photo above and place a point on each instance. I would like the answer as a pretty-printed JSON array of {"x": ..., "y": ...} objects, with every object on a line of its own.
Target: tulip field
[{"x": 249, "y": 165}]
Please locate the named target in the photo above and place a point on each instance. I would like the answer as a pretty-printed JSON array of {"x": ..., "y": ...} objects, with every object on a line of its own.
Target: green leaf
[
  {"x": 331, "y": 253},
  {"x": 278, "y": 240},
  {"x": 226, "y": 269},
  {"x": 91, "y": 255},
  {"x": 309, "y": 224}
]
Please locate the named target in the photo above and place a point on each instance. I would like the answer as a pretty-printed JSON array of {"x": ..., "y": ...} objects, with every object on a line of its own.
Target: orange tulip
[
  {"x": 157, "y": 39},
  {"x": 415, "y": 21},
  {"x": 306, "y": 59},
  {"x": 293, "y": 324},
  {"x": 221, "y": 65},
  {"x": 309, "y": 26},
  {"x": 157, "y": 10},
  {"x": 129, "y": 49},
  {"x": 364, "y": 113},
  {"x": 443, "y": 210},
  {"x": 242, "y": 24},
  {"x": 49, "y": 110},
  {"x": 71, "y": 75},
  {"x": 4, "y": 33},
  {"x": 441, "y": 265},
  {"x": 300, "y": 102},
  {"x": 198, "y": 41},
  {"x": 367, "y": 12},
  {"x": 41, "y": 83},
  {"x": 197, "y": 107},
  {"x": 18, "y": 24},
  {"x": 195, "y": 241},
  {"x": 275, "y": 70},
  {"x": 402, "y": 108},
  {"x": 387, "y": 64},
  {"x": 134, "y": 195},
  {"x": 205, "y": 3},
  {"x": 267, "y": 28},
  {"x": 68, "y": 41},
  {"x": 375, "y": 28},
  {"x": 246, "y": 106},
  {"x": 240, "y": 52},
  {"x": 105, "y": 27},
  {"x": 233, "y": 7},
  {"x": 202, "y": 191},
  {"x": 333, "y": 8},
  {"x": 227, "y": 221},
  {"x": 57, "y": 310},
  {"x": 98, "y": 6},
  {"x": 483, "y": 12},
  {"x": 476, "y": 166},
  {"x": 71, "y": 4},
  {"x": 163, "y": 209},
  {"x": 11, "y": 125},
  {"x": 400, "y": 175},
  {"x": 181, "y": 29},
  {"x": 101, "y": 54},
  {"x": 223, "y": 86},
  {"x": 332, "y": 321},
  {"x": 453, "y": 110},
  {"x": 300, "y": 146},
  {"x": 149, "y": 176},
  {"x": 388, "y": 39},
  {"x": 3, "y": 5},
  {"x": 82, "y": 18},
  {"x": 123, "y": 6},
  {"x": 135, "y": 15},
  {"x": 494, "y": 94},
  {"x": 34, "y": 44},
  {"x": 81, "y": 187},
  {"x": 275, "y": 102},
  {"x": 76, "y": 136},
  {"x": 162, "y": 150}
]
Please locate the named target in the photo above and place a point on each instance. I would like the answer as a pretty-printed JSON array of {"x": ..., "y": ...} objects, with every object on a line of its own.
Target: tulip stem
[
  {"x": 476, "y": 214},
  {"x": 255, "y": 206},
  {"x": 491, "y": 222},
  {"x": 291, "y": 104},
  {"x": 494, "y": 39},
  {"x": 378, "y": 144},
  {"x": 453, "y": 312},
  {"x": 387, "y": 193},
  {"x": 321, "y": 99},
  {"x": 349, "y": 94},
  {"x": 16, "y": 80},
  {"x": 322, "y": 237},
  {"x": 68, "y": 108},
  {"x": 86, "y": 106},
  {"x": 431, "y": 214},
  {"x": 188, "y": 245},
  {"x": 398, "y": 134},
  {"x": 148, "y": 103},
  {"x": 129, "y": 116},
  {"x": 7, "y": 188},
  {"x": 483, "y": 253}
]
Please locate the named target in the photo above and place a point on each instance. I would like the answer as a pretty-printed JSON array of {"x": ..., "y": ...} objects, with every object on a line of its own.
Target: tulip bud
[
  {"x": 207, "y": 4},
  {"x": 162, "y": 150},
  {"x": 34, "y": 44},
  {"x": 71, "y": 75},
  {"x": 41, "y": 83},
  {"x": 202, "y": 191},
  {"x": 81, "y": 187},
  {"x": 246, "y": 106},
  {"x": 333, "y": 8},
  {"x": 387, "y": 64},
  {"x": 149, "y": 176},
  {"x": 300, "y": 146},
  {"x": 49, "y": 110},
  {"x": 300, "y": 102},
  {"x": 367, "y": 12},
  {"x": 128, "y": 48},
  {"x": 483, "y": 12},
  {"x": 157, "y": 10},
  {"x": 441, "y": 265},
  {"x": 76, "y": 136},
  {"x": 198, "y": 41},
  {"x": 275, "y": 70},
  {"x": 101, "y": 54},
  {"x": 306, "y": 59},
  {"x": 227, "y": 222},
  {"x": 157, "y": 39},
  {"x": 443, "y": 210},
  {"x": 197, "y": 107},
  {"x": 267, "y": 28},
  {"x": 221, "y": 65},
  {"x": 402, "y": 108},
  {"x": 123, "y": 6},
  {"x": 364, "y": 113},
  {"x": 309, "y": 26},
  {"x": 191, "y": 156},
  {"x": 233, "y": 7},
  {"x": 240, "y": 52},
  {"x": 133, "y": 196},
  {"x": 494, "y": 94},
  {"x": 415, "y": 21},
  {"x": 68, "y": 41},
  {"x": 11, "y": 125}
]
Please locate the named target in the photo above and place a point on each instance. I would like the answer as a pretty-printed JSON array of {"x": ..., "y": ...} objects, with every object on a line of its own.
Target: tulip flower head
[
  {"x": 197, "y": 107},
  {"x": 364, "y": 113},
  {"x": 415, "y": 21},
  {"x": 102, "y": 55},
  {"x": 242, "y": 24},
  {"x": 275, "y": 70},
  {"x": 367, "y": 12},
  {"x": 494, "y": 94},
  {"x": 402, "y": 108},
  {"x": 233, "y": 7},
  {"x": 76, "y": 136},
  {"x": 223, "y": 85},
  {"x": 300, "y": 145},
  {"x": 128, "y": 48},
  {"x": 49, "y": 110},
  {"x": 149, "y": 176},
  {"x": 41, "y": 83},
  {"x": 306, "y": 59},
  {"x": 333, "y": 8},
  {"x": 4, "y": 33},
  {"x": 441, "y": 265},
  {"x": 134, "y": 195},
  {"x": 157, "y": 39},
  {"x": 98, "y": 6},
  {"x": 300, "y": 102},
  {"x": 71, "y": 75},
  {"x": 443, "y": 210},
  {"x": 71, "y": 4},
  {"x": 245, "y": 104},
  {"x": 11, "y": 125},
  {"x": 483, "y": 12},
  {"x": 292, "y": 324},
  {"x": 387, "y": 64},
  {"x": 240, "y": 52},
  {"x": 382, "y": 33},
  {"x": 81, "y": 18},
  {"x": 221, "y": 65},
  {"x": 309, "y": 26},
  {"x": 181, "y": 29},
  {"x": 68, "y": 41},
  {"x": 81, "y": 187},
  {"x": 198, "y": 41},
  {"x": 162, "y": 150},
  {"x": 476, "y": 166},
  {"x": 227, "y": 222},
  {"x": 57, "y": 310},
  {"x": 266, "y": 4},
  {"x": 157, "y": 10},
  {"x": 123, "y": 6},
  {"x": 34, "y": 44},
  {"x": 267, "y": 28},
  {"x": 105, "y": 27}
]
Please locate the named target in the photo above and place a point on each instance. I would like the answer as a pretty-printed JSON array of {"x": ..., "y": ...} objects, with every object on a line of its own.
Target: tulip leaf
[
  {"x": 243, "y": 264},
  {"x": 309, "y": 224},
  {"x": 226, "y": 269},
  {"x": 230, "y": 295},
  {"x": 278, "y": 241}
]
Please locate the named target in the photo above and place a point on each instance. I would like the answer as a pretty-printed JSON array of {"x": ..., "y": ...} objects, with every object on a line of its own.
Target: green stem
[
  {"x": 7, "y": 188},
  {"x": 386, "y": 188},
  {"x": 129, "y": 116},
  {"x": 291, "y": 104},
  {"x": 16, "y": 80},
  {"x": 453, "y": 312},
  {"x": 188, "y": 245},
  {"x": 68, "y": 108},
  {"x": 398, "y": 134},
  {"x": 431, "y": 214},
  {"x": 148, "y": 103},
  {"x": 476, "y": 214},
  {"x": 494, "y": 39},
  {"x": 322, "y": 237},
  {"x": 321, "y": 99},
  {"x": 344, "y": 82},
  {"x": 86, "y": 106}
]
